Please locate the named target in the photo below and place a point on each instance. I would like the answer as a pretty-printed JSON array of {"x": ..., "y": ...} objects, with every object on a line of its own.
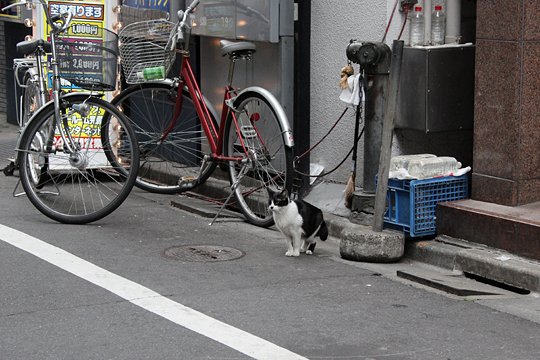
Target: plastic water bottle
[
  {"x": 401, "y": 162},
  {"x": 438, "y": 25},
  {"x": 417, "y": 27},
  {"x": 152, "y": 73},
  {"x": 399, "y": 165},
  {"x": 425, "y": 168}
]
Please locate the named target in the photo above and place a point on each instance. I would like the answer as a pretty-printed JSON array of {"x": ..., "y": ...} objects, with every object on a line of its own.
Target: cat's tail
[{"x": 323, "y": 231}]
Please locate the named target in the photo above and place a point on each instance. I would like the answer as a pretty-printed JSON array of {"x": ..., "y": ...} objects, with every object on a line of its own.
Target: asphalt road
[{"x": 107, "y": 291}]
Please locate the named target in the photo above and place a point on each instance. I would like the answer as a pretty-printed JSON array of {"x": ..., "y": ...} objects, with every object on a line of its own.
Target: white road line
[{"x": 148, "y": 299}]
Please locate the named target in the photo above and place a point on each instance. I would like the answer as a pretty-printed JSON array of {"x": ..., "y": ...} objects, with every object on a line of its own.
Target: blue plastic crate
[{"x": 411, "y": 204}]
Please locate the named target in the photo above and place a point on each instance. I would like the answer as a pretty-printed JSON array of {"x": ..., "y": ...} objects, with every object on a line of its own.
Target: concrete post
[
  {"x": 376, "y": 93},
  {"x": 387, "y": 134}
]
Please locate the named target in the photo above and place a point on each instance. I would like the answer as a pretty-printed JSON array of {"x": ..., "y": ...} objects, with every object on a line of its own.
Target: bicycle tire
[
  {"x": 173, "y": 164},
  {"x": 84, "y": 187},
  {"x": 270, "y": 159},
  {"x": 31, "y": 100}
]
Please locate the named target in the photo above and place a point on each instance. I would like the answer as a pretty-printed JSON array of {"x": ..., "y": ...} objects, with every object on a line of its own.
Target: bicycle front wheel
[
  {"x": 172, "y": 150},
  {"x": 80, "y": 185},
  {"x": 257, "y": 136}
]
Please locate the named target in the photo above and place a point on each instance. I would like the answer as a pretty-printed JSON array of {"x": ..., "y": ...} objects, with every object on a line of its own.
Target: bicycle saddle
[
  {"x": 30, "y": 46},
  {"x": 242, "y": 48}
]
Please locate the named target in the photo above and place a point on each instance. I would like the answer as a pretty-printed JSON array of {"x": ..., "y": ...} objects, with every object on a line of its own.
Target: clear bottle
[
  {"x": 417, "y": 27},
  {"x": 438, "y": 25},
  {"x": 401, "y": 162},
  {"x": 425, "y": 168}
]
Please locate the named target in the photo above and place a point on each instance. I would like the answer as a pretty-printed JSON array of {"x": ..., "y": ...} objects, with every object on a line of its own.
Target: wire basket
[
  {"x": 88, "y": 63},
  {"x": 147, "y": 45},
  {"x": 131, "y": 14}
]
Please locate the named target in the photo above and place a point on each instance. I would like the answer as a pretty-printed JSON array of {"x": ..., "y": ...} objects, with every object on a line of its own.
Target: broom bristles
[{"x": 349, "y": 190}]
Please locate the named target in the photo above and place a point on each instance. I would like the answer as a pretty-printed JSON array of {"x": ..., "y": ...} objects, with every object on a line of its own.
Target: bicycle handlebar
[
  {"x": 20, "y": 3},
  {"x": 194, "y": 4},
  {"x": 183, "y": 16},
  {"x": 65, "y": 18}
]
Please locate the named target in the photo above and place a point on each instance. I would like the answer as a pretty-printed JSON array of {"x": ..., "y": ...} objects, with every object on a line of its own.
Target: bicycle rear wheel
[
  {"x": 172, "y": 151},
  {"x": 31, "y": 101},
  {"x": 83, "y": 186},
  {"x": 270, "y": 160}
]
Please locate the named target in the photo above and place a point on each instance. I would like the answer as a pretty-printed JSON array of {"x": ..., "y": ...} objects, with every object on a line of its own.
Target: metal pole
[
  {"x": 427, "y": 21},
  {"x": 453, "y": 22},
  {"x": 286, "y": 53},
  {"x": 374, "y": 59},
  {"x": 355, "y": 143},
  {"x": 387, "y": 133},
  {"x": 302, "y": 77}
]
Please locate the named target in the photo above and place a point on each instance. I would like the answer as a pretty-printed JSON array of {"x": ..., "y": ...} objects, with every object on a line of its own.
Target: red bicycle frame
[{"x": 214, "y": 136}]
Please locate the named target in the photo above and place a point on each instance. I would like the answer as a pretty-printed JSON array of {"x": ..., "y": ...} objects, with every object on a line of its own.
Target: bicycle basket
[
  {"x": 147, "y": 45},
  {"x": 131, "y": 14},
  {"x": 90, "y": 63}
]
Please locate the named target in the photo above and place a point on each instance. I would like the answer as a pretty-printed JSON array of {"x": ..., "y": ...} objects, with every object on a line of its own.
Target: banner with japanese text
[{"x": 79, "y": 58}]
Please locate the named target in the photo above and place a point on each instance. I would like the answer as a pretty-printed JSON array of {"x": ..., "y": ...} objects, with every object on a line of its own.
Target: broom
[{"x": 349, "y": 188}]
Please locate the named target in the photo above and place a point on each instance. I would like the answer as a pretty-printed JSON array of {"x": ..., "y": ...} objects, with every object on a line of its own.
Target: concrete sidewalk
[
  {"x": 477, "y": 261},
  {"x": 442, "y": 251},
  {"x": 447, "y": 253}
]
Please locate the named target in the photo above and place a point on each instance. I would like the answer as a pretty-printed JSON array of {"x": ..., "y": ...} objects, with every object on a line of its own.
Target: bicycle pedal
[
  {"x": 9, "y": 169},
  {"x": 187, "y": 181}
]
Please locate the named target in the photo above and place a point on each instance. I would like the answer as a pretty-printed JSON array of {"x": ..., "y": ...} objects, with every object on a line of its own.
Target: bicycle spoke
[
  {"x": 170, "y": 150},
  {"x": 255, "y": 132},
  {"x": 90, "y": 182}
]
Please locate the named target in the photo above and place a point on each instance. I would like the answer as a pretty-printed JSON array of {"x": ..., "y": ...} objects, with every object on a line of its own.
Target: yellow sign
[
  {"x": 85, "y": 29},
  {"x": 80, "y": 10},
  {"x": 85, "y": 34}
]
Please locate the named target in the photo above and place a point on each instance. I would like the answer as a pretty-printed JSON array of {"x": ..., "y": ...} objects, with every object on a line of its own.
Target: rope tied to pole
[{"x": 298, "y": 158}]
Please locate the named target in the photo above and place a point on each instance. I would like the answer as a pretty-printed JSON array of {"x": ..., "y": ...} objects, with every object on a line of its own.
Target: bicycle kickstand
[
  {"x": 15, "y": 193},
  {"x": 241, "y": 174}
]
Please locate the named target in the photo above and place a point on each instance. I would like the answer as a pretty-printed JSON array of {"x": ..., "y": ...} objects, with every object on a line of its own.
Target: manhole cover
[{"x": 202, "y": 253}]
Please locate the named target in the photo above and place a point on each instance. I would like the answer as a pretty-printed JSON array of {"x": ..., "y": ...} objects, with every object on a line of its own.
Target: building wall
[
  {"x": 507, "y": 112},
  {"x": 333, "y": 24}
]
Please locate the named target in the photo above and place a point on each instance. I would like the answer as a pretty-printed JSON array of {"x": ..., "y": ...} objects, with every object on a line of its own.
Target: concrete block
[{"x": 361, "y": 243}]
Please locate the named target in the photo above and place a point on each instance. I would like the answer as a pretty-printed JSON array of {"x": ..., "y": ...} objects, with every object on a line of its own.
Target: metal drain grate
[{"x": 202, "y": 253}]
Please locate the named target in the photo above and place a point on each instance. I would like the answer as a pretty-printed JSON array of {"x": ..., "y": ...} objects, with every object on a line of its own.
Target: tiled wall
[{"x": 506, "y": 151}]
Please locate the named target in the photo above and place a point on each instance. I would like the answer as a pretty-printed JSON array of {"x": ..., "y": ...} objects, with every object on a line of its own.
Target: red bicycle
[{"x": 179, "y": 138}]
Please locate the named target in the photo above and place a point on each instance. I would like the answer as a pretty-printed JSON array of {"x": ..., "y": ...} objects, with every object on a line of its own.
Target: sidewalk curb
[
  {"x": 475, "y": 259},
  {"x": 456, "y": 254}
]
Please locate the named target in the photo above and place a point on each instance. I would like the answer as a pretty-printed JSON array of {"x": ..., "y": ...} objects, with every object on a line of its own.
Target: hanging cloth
[{"x": 353, "y": 94}]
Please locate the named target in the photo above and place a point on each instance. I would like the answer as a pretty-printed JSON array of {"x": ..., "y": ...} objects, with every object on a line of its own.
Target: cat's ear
[{"x": 284, "y": 193}]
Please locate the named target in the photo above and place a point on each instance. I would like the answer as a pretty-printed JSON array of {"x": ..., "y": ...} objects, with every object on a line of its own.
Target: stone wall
[{"x": 507, "y": 108}]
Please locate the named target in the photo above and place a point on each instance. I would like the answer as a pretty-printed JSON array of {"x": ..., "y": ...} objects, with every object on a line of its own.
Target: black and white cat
[{"x": 299, "y": 221}]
